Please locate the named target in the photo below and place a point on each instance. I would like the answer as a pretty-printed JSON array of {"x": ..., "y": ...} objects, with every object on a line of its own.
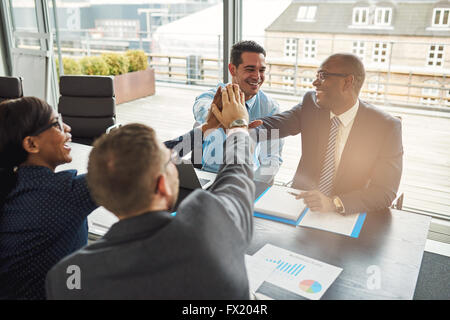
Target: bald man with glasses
[{"x": 351, "y": 151}]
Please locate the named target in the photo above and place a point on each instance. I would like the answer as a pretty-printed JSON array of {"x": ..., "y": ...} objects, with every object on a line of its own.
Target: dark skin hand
[{"x": 317, "y": 201}]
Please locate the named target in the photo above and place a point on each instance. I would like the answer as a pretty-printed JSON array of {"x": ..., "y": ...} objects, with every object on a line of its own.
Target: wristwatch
[
  {"x": 238, "y": 123},
  {"x": 338, "y": 205}
]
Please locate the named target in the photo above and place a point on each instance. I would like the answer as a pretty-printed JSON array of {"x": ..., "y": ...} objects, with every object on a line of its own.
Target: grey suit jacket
[
  {"x": 198, "y": 254},
  {"x": 370, "y": 169}
]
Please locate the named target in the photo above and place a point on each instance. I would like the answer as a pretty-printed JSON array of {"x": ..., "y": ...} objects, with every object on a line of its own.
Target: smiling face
[
  {"x": 338, "y": 82},
  {"x": 249, "y": 74},
  {"x": 331, "y": 91},
  {"x": 51, "y": 146}
]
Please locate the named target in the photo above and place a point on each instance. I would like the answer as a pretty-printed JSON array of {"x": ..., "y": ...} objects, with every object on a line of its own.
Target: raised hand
[
  {"x": 233, "y": 102},
  {"x": 211, "y": 120},
  {"x": 218, "y": 98}
]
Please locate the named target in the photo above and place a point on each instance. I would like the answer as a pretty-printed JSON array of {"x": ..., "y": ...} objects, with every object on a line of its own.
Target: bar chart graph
[
  {"x": 299, "y": 274},
  {"x": 286, "y": 267}
]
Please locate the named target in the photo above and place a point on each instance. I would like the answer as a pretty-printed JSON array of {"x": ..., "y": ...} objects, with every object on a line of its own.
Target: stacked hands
[{"x": 229, "y": 105}]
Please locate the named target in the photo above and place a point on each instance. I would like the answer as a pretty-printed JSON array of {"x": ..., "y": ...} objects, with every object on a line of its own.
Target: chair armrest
[{"x": 113, "y": 127}]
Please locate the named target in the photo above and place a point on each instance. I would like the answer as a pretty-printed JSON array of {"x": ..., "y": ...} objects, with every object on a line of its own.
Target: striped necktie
[{"x": 328, "y": 168}]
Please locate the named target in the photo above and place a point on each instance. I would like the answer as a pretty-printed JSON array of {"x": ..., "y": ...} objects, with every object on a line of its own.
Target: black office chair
[
  {"x": 10, "y": 88},
  {"x": 88, "y": 105}
]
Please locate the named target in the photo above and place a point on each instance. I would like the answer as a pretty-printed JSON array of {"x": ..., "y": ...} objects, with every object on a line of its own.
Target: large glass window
[
  {"x": 182, "y": 40},
  {"x": 24, "y": 15},
  {"x": 406, "y": 67}
]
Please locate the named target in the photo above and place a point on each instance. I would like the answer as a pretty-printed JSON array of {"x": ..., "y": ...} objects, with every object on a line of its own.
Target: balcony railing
[
  {"x": 208, "y": 71},
  {"x": 410, "y": 86}
]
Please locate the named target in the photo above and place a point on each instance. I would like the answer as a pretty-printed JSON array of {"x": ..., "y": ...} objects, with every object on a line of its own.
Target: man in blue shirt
[{"x": 247, "y": 68}]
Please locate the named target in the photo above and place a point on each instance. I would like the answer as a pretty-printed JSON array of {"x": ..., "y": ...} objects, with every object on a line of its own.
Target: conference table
[{"x": 389, "y": 247}]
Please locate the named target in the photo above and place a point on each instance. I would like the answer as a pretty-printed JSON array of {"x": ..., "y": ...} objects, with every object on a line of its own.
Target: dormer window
[
  {"x": 441, "y": 17},
  {"x": 383, "y": 16},
  {"x": 370, "y": 17},
  {"x": 360, "y": 16},
  {"x": 306, "y": 13}
]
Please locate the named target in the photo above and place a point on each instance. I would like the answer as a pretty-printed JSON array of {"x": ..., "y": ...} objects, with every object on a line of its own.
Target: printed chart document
[
  {"x": 304, "y": 276},
  {"x": 257, "y": 271},
  {"x": 279, "y": 203}
]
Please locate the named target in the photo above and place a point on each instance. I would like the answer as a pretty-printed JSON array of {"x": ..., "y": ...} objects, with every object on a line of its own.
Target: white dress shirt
[{"x": 347, "y": 118}]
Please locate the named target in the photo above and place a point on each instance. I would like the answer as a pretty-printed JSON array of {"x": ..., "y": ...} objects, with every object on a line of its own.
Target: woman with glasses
[{"x": 43, "y": 214}]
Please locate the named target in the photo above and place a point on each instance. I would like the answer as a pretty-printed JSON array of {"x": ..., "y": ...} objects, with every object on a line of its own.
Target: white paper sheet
[
  {"x": 304, "y": 276},
  {"x": 257, "y": 271},
  {"x": 330, "y": 221}
]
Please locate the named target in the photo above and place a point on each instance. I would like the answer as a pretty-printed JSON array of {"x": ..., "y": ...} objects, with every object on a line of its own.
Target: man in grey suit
[
  {"x": 149, "y": 253},
  {"x": 351, "y": 151}
]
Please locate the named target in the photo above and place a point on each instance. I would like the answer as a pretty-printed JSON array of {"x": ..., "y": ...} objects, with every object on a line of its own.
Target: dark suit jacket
[
  {"x": 369, "y": 172},
  {"x": 198, "y": 254}
]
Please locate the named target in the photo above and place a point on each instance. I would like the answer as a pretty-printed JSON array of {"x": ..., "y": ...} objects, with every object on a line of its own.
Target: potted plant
[{"x": 133, "y": 79}]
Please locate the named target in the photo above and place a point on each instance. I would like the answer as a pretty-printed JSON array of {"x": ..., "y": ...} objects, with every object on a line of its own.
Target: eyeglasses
[
  {"x": 174, "y": 158},
  {"x": 322, "y": 75},
  {"x": 58, "y": 123}
]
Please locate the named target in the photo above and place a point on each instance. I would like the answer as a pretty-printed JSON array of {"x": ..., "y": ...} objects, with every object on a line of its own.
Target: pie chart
[{"x": 310, "y": 286}]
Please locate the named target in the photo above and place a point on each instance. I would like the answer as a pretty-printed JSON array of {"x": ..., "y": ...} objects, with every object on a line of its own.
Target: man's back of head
[{"x": 123, "y": 167}]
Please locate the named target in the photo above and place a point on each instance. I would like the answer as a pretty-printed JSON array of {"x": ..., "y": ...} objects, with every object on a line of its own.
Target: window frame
[
  {"x": 376, "y": 83},
  {"x": 291, "y": 52},
  {"x": 382, "y": 11},
  {"x": 435, "y": 59},
  {"x": 440, "y": 24},
  {"x": 307, "y": 49},
  {"x": 309, "y": 14},
  {"x": 360, "y": 45},
  {"x": 432, "y": 93},
  {"x": 360, "y": 10},
  {"x": 379, "y": 55}
]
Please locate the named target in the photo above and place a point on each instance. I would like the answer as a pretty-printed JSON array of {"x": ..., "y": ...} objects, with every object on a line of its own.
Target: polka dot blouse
[{"x": 43, "y": 220}]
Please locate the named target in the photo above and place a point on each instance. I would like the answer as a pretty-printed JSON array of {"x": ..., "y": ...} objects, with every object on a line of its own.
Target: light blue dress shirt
[{"x": 267, "y": 155}]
